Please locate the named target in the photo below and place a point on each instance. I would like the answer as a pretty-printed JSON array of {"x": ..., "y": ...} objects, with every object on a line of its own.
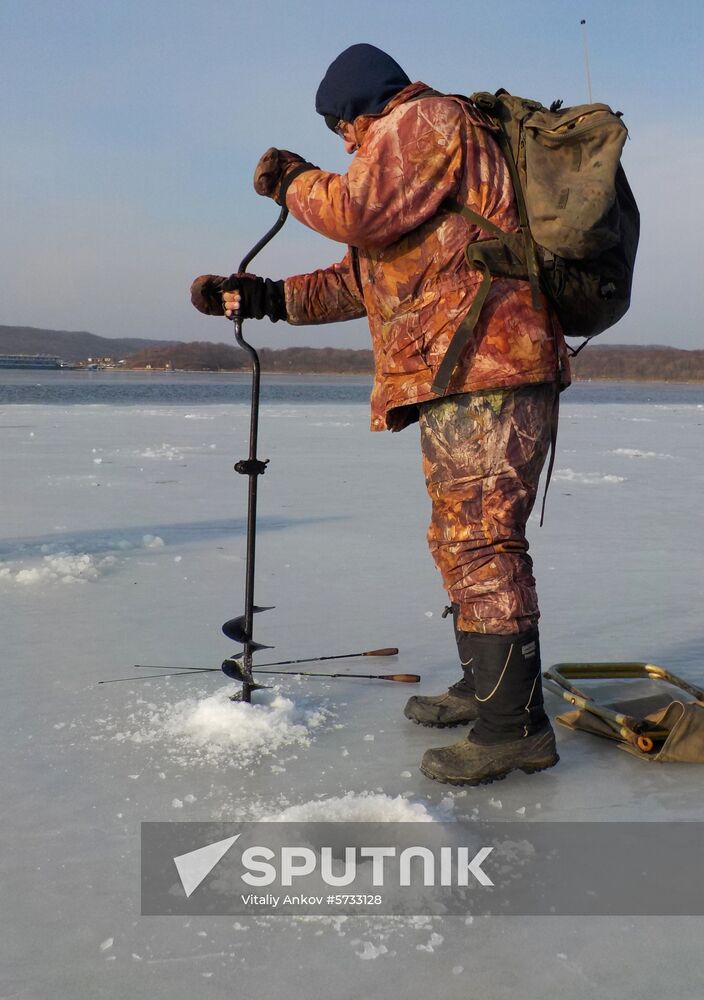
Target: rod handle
[
  {"x": 388, "y": 651},
  {"x": 403, "y": 678}
]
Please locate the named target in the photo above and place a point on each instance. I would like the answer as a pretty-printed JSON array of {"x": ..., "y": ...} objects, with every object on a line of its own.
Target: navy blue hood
[{"x": 361, "y": 81}]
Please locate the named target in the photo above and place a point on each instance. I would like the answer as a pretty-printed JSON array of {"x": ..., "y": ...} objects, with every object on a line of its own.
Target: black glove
[{"x": 259, "y": 297}]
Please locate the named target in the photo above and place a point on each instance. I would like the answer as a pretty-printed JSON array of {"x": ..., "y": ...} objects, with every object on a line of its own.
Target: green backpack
[{"x": 578, "y": 217}]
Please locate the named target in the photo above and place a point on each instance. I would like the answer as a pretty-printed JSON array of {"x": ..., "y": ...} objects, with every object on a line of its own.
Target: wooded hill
[
  {"x": 646, "y": 364},
  {"x": 68, "y": 345},
  {"x": 598, "y": 360},
  {"x": 595, "y": 361},
  {"x": 205, "y": 356}
]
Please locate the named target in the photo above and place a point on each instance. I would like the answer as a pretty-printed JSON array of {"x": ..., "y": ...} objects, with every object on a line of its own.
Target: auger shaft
[{"x": 253, "y": 468}]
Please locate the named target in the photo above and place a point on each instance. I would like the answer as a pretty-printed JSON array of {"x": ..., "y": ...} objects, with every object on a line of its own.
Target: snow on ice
[
  {"x": 637, "y": 453},
  {"x": 588, "y": 478},
  {"x": 364, "y": 807},
  {"x": 213, "y": 730},
  {"x": 67, "y": 566},
  {"x": 343, "y": 560}
]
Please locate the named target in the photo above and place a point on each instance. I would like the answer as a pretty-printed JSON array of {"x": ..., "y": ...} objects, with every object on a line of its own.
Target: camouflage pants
[{"x": 482, "y": 457}]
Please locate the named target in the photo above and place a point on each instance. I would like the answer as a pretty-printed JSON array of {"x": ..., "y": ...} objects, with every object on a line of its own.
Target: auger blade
[
  {"x": 254, "y": 646},
  {"x": 232, "y": 668},
  {"x": 235, "y": 629},
  {"x": 252, "y": 687}
]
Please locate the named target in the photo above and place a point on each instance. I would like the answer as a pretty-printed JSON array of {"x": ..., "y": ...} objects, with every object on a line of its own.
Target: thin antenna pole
[{"x": 586, "y": 58}]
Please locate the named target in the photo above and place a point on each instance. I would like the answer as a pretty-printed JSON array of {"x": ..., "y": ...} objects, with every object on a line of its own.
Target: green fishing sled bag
[{"x": 656, "y": 722}]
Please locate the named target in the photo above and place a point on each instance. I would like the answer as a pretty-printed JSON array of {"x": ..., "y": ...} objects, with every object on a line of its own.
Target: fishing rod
[
  {"x": 237, "y": 675},
  {"x": 389, "y": 651},
  {"x": 177, "y": 672},
  {"x": 232, "y": 668},
  {"x": 583, "y": 22}
]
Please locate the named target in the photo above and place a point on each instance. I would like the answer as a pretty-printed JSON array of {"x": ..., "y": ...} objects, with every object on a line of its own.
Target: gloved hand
[
  {"x": 206, "y": 294},
  {"x": 275, "y": 170},
  {"x": 258, "y": 297},
  {"x": 254, "y": 297}
]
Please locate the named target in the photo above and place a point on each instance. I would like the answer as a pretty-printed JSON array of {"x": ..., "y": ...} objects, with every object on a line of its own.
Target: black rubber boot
[
  {"x": 442, "y": 711},
  {"x": 512, "y": 731},
  {"x": 508, "y": 681},
  {"x": 456, "y": 707},
  {"x": 468, "y": 763},
  {"x": 465, "y": 686}
]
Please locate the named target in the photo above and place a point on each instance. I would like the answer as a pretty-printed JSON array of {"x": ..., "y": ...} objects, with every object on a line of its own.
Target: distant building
[
  {"x": 94, "y": 364},
  {"x": 44, "y": 361}
]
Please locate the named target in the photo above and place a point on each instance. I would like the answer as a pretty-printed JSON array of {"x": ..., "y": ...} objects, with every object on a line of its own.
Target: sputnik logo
[
  {"x": 300, "y": 861},
  {"x": 195, "y": 866}
]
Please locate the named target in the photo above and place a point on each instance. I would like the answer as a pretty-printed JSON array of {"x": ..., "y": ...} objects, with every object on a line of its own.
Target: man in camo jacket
[{"x": 484, "y": 440}]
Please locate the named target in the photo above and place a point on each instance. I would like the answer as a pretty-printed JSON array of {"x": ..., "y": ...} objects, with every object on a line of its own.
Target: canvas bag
[
  {"x": 683, "y": 721},
  {"x": 579, "y": 220}
]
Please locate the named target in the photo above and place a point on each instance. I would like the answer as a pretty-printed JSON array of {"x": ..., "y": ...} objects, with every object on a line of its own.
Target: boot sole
[
  {"x": 441, "y": 725},
  {"x": 489, "y": 778}
]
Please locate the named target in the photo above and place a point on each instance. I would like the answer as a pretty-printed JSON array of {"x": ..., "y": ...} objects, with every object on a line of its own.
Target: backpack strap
[
  {"x": 554, "y": 420},
  {"x": 531, "y": 256},
  {"x": 428, "y": 92},
  {"x": 502, "y": 254},
  {"x": 461, "y": 336}
]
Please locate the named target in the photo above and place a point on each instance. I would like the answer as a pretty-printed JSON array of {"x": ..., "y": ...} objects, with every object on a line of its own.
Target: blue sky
[{"x": 130, "y": 134}]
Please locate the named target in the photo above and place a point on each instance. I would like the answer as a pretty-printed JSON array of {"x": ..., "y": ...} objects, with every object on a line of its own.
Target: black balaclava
[{"x": 361, "y": 81}]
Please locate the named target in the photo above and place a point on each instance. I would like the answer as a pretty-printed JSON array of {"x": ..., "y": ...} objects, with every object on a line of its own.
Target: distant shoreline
[
  {"x": 369, "y": 375},
  {"x": 603, "y": 361},
  {"x": 366, "y": 376}
]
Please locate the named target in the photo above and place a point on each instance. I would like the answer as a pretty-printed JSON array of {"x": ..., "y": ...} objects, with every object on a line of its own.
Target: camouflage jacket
[{"x": 405, "y": 267}]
